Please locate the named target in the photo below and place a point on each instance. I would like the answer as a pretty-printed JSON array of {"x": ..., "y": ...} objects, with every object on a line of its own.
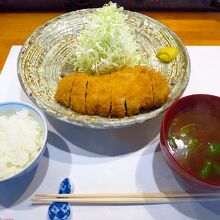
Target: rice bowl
[{"x": 23, "y": 134}]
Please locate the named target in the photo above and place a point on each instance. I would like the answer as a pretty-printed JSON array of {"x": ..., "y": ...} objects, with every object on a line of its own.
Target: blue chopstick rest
[
  {"x": 61, "y": 210},
  {"x": 65, "y": 187}
]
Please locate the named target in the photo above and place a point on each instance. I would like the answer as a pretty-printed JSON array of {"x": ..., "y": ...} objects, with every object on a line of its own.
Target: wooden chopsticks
[{"x": 123, "y": 198}]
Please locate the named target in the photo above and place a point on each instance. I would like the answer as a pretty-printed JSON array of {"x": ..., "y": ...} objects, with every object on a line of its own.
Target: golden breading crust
[
  {"x": 92, "y": 92},
  {"x": 124, "y": 92},
  {"x": 64, "y": 89},
  {"x": 78, "y": 93},
  {"x": 118, "y": 82},
  {"x": 160, "y": 87},
  {"x": 104, "y": 96},
  {"x": 139, "y": 93}
]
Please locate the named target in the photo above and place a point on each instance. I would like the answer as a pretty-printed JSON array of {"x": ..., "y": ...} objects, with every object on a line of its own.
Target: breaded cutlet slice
[
  {"x": 131, "y": 93},
  {"x": 78, "y": 93},
  {"x": 161, "y": 88},
  {"x": 104, "y": 95},
  {"x": 118, "y": 80},
  {"x": 139, "y": 93},
  {"x": 64, "y": 89},
  {"x": 145, "y": 91},
  {"x": 92, "y": 95}
]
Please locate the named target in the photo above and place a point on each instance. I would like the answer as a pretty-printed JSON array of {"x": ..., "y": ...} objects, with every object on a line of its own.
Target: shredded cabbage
[{"x": 106, "y": 44}]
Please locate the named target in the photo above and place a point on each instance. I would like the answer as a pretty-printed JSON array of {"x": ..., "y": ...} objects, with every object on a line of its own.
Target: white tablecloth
[{"x": 115, "y": 160}]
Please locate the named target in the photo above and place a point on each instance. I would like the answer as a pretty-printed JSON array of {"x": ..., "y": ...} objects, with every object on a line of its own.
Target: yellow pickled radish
[{"x": 167, "y": 54}]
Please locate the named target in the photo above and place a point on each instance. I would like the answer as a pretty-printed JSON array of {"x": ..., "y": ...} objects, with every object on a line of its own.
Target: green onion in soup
[{"x": 194, "y": 140}]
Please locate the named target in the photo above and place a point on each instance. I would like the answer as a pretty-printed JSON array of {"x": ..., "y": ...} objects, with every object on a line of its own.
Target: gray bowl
[
  {"x": 49, "y": 50},
  {"x": 38, "y": 115}
]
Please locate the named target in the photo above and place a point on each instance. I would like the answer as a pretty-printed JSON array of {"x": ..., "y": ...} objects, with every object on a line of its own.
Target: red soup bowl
[{"x": 208, "y": 103}]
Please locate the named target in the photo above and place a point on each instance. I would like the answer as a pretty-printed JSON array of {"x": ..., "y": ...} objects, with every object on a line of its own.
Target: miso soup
[{"x": 194, "y": 140}]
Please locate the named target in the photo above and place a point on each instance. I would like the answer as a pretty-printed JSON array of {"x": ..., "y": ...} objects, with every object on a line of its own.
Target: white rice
[{"x": 20, "y": 140}]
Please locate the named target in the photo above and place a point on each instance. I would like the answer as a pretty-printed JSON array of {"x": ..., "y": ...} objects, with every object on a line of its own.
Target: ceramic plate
[{"x": 50, "y": 50}]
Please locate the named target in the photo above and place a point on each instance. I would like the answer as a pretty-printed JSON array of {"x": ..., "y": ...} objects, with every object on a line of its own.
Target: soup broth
[{"x": 194, "y": 140}]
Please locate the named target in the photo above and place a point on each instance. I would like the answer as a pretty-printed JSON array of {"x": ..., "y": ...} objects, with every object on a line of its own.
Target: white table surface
[{"x": 114, "y": 160}]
